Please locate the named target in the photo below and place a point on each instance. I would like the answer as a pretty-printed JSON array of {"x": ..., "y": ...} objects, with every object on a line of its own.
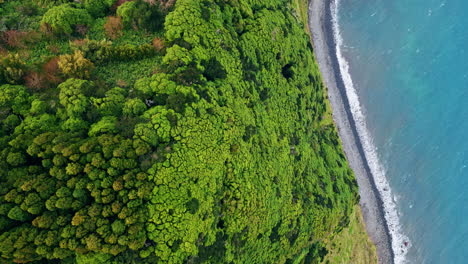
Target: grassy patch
[
  {"x": 302, "y": 7},
  {"x": 351, "y": 245}
]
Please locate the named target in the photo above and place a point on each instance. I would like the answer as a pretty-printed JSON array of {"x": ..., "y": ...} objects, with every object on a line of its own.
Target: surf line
[{"x": 400, "y": 242}]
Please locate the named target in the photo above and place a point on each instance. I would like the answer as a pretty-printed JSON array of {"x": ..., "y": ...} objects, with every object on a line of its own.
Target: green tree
[
  {"x": 17, "y": 214},
  {"x": 98, "y": 8},
  {"x": 134, "y": 107},
  {"x": 73, "y": 96},
  {"x": 33, "y": 204},
  {"x": 14, "y": 98},
  {"x": 118, "y": 227},
  {"x": 105, "y": 125},
  {"x": 111, "y": 103},
  {"x": 16, "y": 158},
  {"x": 75, "y": 124},
  {"x": 62, "y": 18},
  {"x": 140, "y": 13}
]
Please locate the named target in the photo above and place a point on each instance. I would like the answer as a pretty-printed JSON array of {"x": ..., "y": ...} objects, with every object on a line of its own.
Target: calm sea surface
[{"x": 409, "y": 63}]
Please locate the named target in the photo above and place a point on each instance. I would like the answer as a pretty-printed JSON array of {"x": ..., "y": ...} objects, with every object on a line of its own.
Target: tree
[
  {"x": 158, "y": 130},
  {"x": 33, "y": 204},
  {"x": 93, "y": 242},
  {"x": 111, "y": 103},
  {"x": 16, "y": 158},
  {"x": 38, "y": 107},
  {"x": 17, "y": 214},
  {"x": 45, "y": 221},
  {"x": 98, "y": 8},
  {"x": 118, "y": 227},
  {"x": 177, "y": 56},
  {"x": 73, "y": 97},
  {"x": 128, "y": 11},
  {"x": 106, "y": 125},
  {"x": 74, "y": 124},
  {"x": 93, "y": 258},
  {"x": 134, "y": 107},
  {"x": 15, "y": 98},
  {"x": 63, "y": 17},
  {"x": 75, "y": 65},
  {"x": 140, "y": 14}
]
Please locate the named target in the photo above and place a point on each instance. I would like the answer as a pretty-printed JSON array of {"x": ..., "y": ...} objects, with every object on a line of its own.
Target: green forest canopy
[{"x": 164, "y": 132}]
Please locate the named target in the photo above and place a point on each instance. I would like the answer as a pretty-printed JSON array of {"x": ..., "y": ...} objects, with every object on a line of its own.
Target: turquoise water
[{"x": 409, "y": 64}]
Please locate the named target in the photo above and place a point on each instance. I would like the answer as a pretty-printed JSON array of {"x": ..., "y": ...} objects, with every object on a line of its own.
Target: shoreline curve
[{"x": 322, "y": 27}]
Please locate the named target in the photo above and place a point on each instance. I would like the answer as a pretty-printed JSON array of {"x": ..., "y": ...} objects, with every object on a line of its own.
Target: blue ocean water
[{"x": 409, "y": 63}]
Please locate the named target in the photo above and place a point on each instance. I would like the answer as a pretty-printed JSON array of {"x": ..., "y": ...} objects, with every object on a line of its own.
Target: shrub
[
  {"x": 121, "y": 83},
  {"x": 92, "y": 49},
  {"x": 101, "y": 51},
  {"x": 27, "y": 9},
  {"x": 159, "y": 44},
  {"x": 51, "y": 71},
  {"x": 81, "y": 29},
  {"x": 47, "y": 30},
  {"x": 18, "y": 39},
  {"x": 13, "y": 38},
  {"x": 35, "y": 80},
  {"x": 129, "y": 52},
  {"x": 166, "y": 4},
  {"x": 62, "y": 18},
  {"x": 12, "y": 69},
  {"x": 113, "y": 27},
  {"x": 75, "y": 65},
  {"x": 54, "y": 49},
  {"x": 3, "y": 52},
  {"x": 78, "y": 43}
]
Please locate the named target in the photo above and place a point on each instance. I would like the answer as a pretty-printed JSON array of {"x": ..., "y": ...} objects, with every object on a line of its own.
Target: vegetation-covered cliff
[{"x": 189, "y": 131}]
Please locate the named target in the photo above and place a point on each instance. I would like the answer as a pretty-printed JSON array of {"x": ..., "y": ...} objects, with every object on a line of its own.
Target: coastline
[{"x": 373, "y": 210}]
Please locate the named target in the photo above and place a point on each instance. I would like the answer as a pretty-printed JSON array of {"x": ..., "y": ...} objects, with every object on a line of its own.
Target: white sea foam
[{"x": 400, "y": 243}]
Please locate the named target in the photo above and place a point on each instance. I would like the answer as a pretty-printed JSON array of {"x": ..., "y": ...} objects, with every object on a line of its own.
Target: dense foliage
[{"x": 199, "y": 134}]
